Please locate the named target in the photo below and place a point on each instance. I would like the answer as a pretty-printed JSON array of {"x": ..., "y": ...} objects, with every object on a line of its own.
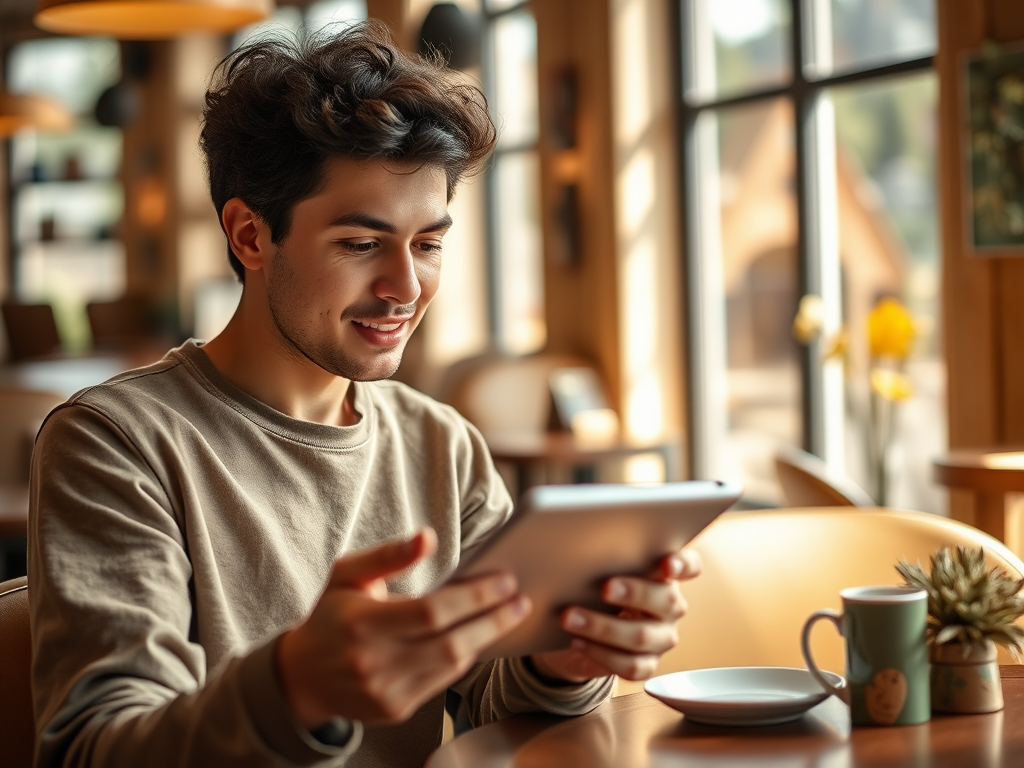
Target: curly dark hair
[{"x": 280, "y": 109}]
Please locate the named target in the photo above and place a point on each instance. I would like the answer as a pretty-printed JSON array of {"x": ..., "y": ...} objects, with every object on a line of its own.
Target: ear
[{"x": 248, "y": 235}]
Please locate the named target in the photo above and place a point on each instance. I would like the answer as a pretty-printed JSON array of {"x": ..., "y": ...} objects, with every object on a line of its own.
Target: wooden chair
[
  {"x": 16, "y": 716},
  {"x": 766, "y": 571},
  {"x": 806, "y": 481},
  {"x": 120, "y": 324},
  {"x": 31, "y": 331},
  {"x": 505, "y": 393}
]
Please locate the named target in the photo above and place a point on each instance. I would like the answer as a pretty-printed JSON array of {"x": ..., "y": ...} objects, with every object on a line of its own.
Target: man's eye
[
  {"x": 430, "y": 247},
  {"x": 359, "y": 247}
]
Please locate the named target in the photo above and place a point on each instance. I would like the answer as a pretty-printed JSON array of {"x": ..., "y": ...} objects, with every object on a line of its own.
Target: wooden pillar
[
  {"x": 149, "y": 224},
  {"x": 581, "y": 301},
  {"x": 982, "y": 311}
]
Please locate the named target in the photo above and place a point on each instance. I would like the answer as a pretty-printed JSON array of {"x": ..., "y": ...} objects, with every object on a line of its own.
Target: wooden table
[
  {"x": 67, "y": 374},
  {"x": 989, "y": 474},
  {"x": 529, "y": 453},
  {"x": 637, "y": 731}
]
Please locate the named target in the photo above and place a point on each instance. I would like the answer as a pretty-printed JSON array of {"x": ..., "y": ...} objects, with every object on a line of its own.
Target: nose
[{"x": 398, "y": 282}]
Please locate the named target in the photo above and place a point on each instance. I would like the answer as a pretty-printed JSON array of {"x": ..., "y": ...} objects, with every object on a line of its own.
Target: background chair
[
  {"x": 505, "y": 393},
  {"x": 16, "y": 715},
  {"x": 31, "y": 331},
  {"x": 120, "y": 324},
  {"x": 765, "y": 572},
  {"x": 806, "y": 481}
]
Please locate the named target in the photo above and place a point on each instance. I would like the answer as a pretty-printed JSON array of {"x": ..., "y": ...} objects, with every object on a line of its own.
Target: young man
[{"x": 233, "y": 552}]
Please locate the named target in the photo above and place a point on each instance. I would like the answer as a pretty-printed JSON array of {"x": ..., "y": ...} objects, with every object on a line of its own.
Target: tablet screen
[{"x": 564, "y": 541}]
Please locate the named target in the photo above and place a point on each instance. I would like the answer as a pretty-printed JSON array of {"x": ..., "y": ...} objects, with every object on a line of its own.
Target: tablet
[{"x": 564, "y": 541}]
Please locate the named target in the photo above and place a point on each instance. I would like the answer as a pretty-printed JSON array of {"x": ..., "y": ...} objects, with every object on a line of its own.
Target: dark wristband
[{"x": 333, "y": 733}]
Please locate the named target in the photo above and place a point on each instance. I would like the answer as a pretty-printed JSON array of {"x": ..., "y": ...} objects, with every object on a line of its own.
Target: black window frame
[{"x": 803, "y": 92}]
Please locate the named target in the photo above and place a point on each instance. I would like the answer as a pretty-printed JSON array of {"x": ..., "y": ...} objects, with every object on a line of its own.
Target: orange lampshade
[
  {"x": 29, "y": 110},
  {"x": 149, "y": 19}
]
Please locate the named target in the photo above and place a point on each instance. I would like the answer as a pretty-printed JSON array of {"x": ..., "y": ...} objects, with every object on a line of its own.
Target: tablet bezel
[{"x": 617, "y": 529}]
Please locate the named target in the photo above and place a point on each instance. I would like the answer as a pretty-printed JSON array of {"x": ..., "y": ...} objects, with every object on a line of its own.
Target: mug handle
[{"x": 840, "y": 692}]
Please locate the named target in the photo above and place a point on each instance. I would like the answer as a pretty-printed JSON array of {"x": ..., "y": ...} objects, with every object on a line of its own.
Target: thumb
[{"x": 362, "y": 568}]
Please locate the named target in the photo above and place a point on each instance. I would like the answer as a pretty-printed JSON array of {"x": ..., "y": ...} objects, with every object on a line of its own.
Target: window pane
[
  {"x": 72, "y": 70},
  {"x": 500, "y": 5},
  {"x": 286, "y": 22},
  {"x": 889, "y": 246},
  {"x": 759, "y": 272},
  {"x": 515, "y": 78},
  {"x": 751, "y": 46},
  {"x": 344, "y": 12},
  {"x": 872, "y": 32},
  {"x": 66, "y": 198},
  {"x": 520, "y": 271}
]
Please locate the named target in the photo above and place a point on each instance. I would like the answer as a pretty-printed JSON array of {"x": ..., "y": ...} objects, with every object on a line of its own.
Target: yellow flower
[
  {"x": 891, "y": 385},
  {"x": 809, "y": 318},
  {"x": 890, "y": 330}
]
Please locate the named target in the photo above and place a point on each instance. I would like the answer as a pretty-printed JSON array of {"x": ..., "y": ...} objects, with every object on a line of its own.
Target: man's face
[{"x": 360, "y": 264}]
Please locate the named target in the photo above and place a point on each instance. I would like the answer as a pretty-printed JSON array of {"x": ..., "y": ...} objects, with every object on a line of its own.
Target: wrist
[
  {"x": 302, "y": 704},
  {"x": 540, "y": 666}
]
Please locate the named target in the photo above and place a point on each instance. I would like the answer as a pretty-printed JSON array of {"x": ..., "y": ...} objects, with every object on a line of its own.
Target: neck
[{"x": 251, "y": 353}]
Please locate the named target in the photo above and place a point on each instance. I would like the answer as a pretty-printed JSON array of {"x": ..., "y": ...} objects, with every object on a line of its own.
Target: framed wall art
[{"x": 994, "y": 79}]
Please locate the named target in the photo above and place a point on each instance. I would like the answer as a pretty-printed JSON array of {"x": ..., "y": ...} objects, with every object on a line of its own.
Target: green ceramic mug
[{"x": 887, "y": 680}]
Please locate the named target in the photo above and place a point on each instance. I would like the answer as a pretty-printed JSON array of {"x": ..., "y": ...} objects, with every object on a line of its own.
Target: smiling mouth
[{"x": 380, "y": 326}]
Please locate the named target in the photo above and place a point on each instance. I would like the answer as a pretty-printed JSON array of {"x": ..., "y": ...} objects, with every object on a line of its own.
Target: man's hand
[
  {"x": 364, "y": 656},
  {"x": 629, "y": 644}
]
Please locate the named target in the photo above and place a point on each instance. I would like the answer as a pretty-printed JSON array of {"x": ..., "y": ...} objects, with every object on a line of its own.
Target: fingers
[
  {"x": 680, "y": 566},
  {"x": 659, "y": 599},
  {"x": 631, "y": 666},
  {"x": 361, "y": 568},
  {"x": 458, "y": 648},
  {"x": 634, "y": 636},
  {"x": 448, "y": 607}
]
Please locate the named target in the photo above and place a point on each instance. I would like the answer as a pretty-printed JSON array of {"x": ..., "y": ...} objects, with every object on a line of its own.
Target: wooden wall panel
[
  {"x": 581, "y": 301},
  {"x": 969, "y": 294},
  {"x": 983, "y": 295}
]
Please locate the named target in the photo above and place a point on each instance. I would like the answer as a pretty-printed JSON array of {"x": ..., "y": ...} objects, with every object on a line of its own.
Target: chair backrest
[
  {"x": 806, "y": 481},
  {"x": 119, "y": 324},
  {"x": 15, "y": 674},
  {"x": 504, "y": 393},
  {"x": 21, "y": 414},
  {"x": 766, "y": 571},
  {"x": 31, "y": 330}
]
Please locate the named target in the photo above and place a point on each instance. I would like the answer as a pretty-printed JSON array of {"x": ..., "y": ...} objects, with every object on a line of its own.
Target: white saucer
[{"x": 741, "y": 695}]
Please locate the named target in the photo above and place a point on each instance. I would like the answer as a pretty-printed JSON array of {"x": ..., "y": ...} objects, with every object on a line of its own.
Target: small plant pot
[{"x": 965, "y": 684}]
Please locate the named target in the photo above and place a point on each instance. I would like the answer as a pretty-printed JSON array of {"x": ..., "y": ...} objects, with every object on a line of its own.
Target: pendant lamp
[
  {"x": 149, "y": 19},
  {"x": 29, "y": 110}
]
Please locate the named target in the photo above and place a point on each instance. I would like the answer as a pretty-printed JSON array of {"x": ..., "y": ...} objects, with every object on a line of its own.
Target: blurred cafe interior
[{"x": 769, "y": 241}]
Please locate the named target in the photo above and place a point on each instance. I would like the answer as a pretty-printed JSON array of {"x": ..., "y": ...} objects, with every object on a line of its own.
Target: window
[
  {"x": 291, "y": 19},
  {"x": 513, "y": 183},
  {"x": 66, "y": 197},
  {"x": 809, "y": 152}
]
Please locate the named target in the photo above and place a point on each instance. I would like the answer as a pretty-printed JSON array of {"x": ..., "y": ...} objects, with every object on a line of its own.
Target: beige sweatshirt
[{"x": 179, "y": 526}]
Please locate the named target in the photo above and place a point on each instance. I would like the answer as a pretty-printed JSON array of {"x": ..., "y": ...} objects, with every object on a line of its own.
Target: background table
[
  {"x": 637, "y": 731},
  {"x": 532, "y": 454},
  {"x": 989, "y": 474}
]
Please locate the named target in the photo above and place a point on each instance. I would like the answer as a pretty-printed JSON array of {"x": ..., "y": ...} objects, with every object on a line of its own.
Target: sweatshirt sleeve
[
  {"x": 505, "y": 687},
  {"x": 117, "y": 679}
]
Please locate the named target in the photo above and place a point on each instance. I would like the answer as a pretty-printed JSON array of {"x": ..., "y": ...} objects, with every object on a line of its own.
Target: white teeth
[{"x": 380, "y": 326}]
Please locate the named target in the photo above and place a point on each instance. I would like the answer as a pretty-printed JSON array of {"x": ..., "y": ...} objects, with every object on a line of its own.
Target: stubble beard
[{"x": 323, "y": 353}]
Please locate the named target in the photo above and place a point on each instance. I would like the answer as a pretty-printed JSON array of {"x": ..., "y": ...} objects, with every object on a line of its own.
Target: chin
[{"x": 377, "y": 371}]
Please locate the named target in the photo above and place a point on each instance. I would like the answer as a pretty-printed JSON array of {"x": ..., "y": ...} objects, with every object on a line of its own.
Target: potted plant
[{"x": 971, "y": 608}]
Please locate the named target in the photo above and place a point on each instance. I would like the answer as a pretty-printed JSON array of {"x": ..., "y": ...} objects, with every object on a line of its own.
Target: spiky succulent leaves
[{"x": 968, "y": 603}]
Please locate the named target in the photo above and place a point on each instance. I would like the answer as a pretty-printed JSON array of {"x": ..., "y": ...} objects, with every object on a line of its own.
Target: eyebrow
[{"x": 367, "y": 221}]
